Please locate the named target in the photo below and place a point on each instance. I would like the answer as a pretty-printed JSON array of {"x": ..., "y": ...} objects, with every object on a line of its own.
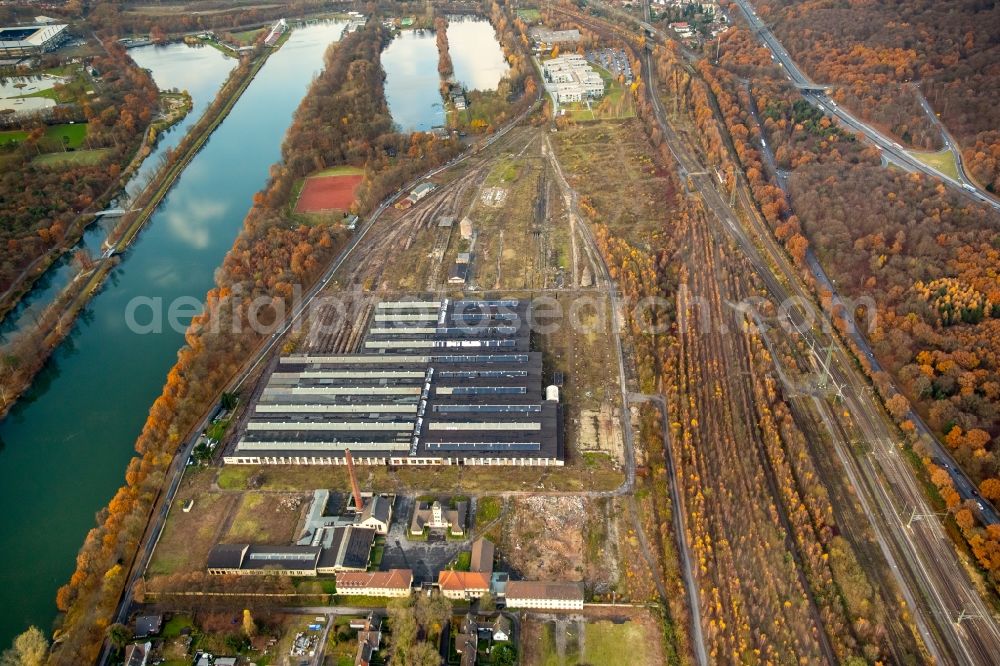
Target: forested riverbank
[
  {"x": 269, "y": 258},
  {"x": 28, "y": 352}
]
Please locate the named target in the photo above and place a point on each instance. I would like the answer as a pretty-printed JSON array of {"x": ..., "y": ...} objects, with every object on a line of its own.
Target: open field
[
  {"x": 325, "y": 193},
  {"x": 187, "y": 537},
  {"x": 943, "y": 161},
  {"x": 599, "y": 637},
  {"x": 248, "y": 36},
  {"x": 266, "y": 518},
  {"x": 529, "y": 15},
  {"x": 71, "y": 136},
  {"x": 75, "y": 158},
  {"x": 617, "y": 103},
  {"x": 448, "y": 478}
]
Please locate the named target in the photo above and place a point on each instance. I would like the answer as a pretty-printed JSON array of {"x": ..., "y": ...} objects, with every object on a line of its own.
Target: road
[{"x": 816, "y": 94}]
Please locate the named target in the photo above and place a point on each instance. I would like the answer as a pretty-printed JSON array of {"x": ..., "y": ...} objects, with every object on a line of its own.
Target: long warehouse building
[{"x": 436, "y": 383}]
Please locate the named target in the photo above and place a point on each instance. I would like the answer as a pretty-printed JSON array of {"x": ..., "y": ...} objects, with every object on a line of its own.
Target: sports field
[{"x": 332, "y": 189}]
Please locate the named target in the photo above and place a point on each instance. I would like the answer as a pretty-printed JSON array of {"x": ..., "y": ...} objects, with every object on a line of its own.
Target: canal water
[
  {"x": 412, "y": 82},
  {"x": 200, "y": 71},
  {"x": 64, "y": 447},
  {"x": 476, "y": 54}
]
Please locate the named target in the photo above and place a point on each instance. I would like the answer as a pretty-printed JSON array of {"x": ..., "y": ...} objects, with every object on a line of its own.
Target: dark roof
[
  {"x": 502, "y": 623},
  {"x": 148, "y": 625},
  {"x": 281, "y": 557},
  {"x": 482, "y": 555},
  {"x": 359, "y": 547},
  {"x": 227, "y": 555}
]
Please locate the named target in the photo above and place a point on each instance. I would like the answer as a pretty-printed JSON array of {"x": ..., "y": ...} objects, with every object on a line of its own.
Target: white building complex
[
  {"x": 31, "y": 40},
  {"x": 571, "y": 79}
]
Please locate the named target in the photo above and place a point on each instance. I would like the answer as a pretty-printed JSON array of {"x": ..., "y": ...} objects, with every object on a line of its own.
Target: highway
[
  {"x": 922, "y": 557},
  {"x": 967, "y": 490},
  {"x": 816, "y": 94}
]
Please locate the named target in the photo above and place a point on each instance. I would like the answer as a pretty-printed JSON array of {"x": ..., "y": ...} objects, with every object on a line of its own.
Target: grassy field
[
  {"x": 248, "y": 36},
  {"x": 187, "y": 537},
  {"x": 943, "y": 161},
  {"x": 266, "y": 518},
  {"x": 71, "y": 136},
  {"x": 450, "y": 478},
  {"x": 75, "y": 158},
  {"x": 343, "y": 170},
  {"x": 616, "y": 104},
  {"x": 597, "y": 643},
  {"x": 530, "y": 15}
]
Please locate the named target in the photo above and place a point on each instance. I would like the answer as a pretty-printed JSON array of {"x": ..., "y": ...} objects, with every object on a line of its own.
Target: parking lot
[
  {"x": 425, "y": 558},
  {"x": 613, "y": 60}
]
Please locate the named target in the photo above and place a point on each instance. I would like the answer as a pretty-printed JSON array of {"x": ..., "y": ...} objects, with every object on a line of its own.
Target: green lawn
[
  {"x": 173, "y": 627},
  {"x": 248, "y": 36},
  {"x": 71, "y": 135},
  {"x": 614, "y": 105},
  {"x": 343, "y": 170},
  {"x": 11, "y": 137},
  {"x": 943, "y": 161},
  {"x": 487, "y": 510},
  {"x": 75, "y": 158},
  {"x": 603, "y": 643},
  {"x": 463, "y": 561},
  {"x": 529, "y": 15}
]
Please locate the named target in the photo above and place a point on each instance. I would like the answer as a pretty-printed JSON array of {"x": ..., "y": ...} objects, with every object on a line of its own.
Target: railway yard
[{"x": 724, "y": 460}]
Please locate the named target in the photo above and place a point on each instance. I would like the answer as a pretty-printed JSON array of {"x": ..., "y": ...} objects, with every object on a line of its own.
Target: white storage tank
[{"x": 552, "y": 393}]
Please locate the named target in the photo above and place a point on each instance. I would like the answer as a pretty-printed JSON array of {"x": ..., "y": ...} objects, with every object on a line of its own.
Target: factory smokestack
[{"x": 358, "y": 504}]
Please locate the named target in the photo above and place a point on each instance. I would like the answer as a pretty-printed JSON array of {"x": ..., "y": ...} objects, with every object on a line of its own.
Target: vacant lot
[
  {"x": 267, "y": 518},
  {"x": 329, "y": 190},
  {"x": 75, "y": 158},
  {"x": 188, "y": 536},
  {"x": 624, "y": 636}
]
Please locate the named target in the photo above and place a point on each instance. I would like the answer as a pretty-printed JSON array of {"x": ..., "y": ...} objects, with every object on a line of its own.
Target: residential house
[
  {"x": 148, "y": 625},
  {"x": 467, "y": 640},
  {"x": 502, "y": 628},
  {"x": 369, "y": 640},
  {"x": 137, "y": 654}
]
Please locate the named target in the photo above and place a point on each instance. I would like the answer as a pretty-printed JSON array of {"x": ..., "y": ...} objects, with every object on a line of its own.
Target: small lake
[
  {"x": 476, "y": 54},
  {"x": 412, "y": 82}
]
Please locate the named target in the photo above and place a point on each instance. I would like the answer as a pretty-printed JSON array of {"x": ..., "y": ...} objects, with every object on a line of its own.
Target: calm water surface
[
  {"x": 412, "y": 81},
  {"x": 475, "y": 53},
  {"x": 63, "y": 449},
  {"x": 200, "y": 71}
]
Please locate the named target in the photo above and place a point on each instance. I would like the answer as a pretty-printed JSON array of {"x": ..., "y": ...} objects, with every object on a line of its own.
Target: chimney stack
[{"x": 358, "y": 504}]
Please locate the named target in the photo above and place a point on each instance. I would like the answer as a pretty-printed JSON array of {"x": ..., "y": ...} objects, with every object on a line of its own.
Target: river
[
  {"x": 200, "y": 71},
  {"x": 64, "y": 446}
]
